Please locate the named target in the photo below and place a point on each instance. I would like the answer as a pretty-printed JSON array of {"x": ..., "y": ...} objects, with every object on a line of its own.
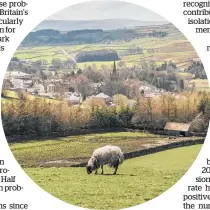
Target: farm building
[{"x": 177, "y": 129}]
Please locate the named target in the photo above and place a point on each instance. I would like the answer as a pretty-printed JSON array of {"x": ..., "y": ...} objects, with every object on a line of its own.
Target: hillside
[
  {"x": 173, "y": 47},
  {"x": 89, "y": 36},
  {"x": 138, "y": 180},
  {"x": 108, "y": 24}
]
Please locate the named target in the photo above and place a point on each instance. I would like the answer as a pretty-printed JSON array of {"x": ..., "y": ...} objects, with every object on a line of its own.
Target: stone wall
[{"x": 152, "y": 150}]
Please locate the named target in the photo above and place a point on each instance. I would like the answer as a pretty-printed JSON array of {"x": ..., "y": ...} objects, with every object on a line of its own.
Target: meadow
[
  {"x": 138, "y": 180},
  {"x": 11, "y": 96},
  {"x": 174, "y": 47},
  {"x": 74, "y": 149}
]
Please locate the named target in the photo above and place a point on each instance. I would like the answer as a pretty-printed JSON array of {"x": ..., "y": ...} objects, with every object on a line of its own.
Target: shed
[{"x": 177, "y": 129}]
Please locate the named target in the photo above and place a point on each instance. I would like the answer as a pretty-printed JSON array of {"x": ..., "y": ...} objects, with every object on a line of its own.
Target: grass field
[
  {"x": 11, "y": 94},
  {"x": 10, "y": 97},
  {"x": 138, "y": 180},
  {"x": 174, "y": 47},
  {"x": 65, "y": 151},
  {"x": 78, "y": 148}
]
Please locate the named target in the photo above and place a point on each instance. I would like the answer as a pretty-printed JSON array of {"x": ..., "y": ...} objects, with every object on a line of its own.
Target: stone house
[{"x": 177, "y": 129}]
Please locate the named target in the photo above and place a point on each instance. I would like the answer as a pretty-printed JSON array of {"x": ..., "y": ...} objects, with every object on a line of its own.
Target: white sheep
[{"x": 111, "y": 155}]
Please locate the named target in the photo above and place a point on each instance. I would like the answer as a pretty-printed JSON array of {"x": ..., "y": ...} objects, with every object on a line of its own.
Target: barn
[{"x": 177, "y": 129}]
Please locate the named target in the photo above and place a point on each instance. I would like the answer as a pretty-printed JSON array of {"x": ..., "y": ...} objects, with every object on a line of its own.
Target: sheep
[{"x": 111, "y": 155}]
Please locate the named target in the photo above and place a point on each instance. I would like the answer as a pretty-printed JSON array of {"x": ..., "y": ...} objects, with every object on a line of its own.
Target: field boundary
[
  {"x": 76, "y": 132},
  {"x": 153, "y": 150}
]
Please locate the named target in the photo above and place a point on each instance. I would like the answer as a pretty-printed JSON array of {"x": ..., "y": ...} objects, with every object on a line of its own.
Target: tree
[
  {"x": 98, "y": 55},
  {"x": 114, "y": 87},
  {"x": 93, "y": 75},
  {"x": 181, "y": 84},
  {"x": 197, "y": 69},
  {"x": 79, "y": 71},
  {"x": 82, "y": 85},
  {"x": 204, "y": 105},
  {"x": 57, "y": 63},
  {"x": 120, "y": 99},
  {"x": 70, "y": 63}
]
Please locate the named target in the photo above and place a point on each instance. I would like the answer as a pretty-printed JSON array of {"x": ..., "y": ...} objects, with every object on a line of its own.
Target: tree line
[
  {"x": 98, "y": 55},
  {"x": 197, "y": 69},
  {"x": 41, "y": 117},
  {"x": 86, "y": 36}
]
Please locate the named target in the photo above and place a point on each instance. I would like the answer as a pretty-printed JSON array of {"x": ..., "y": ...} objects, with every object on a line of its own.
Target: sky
[{"x": 109, "y": 9}]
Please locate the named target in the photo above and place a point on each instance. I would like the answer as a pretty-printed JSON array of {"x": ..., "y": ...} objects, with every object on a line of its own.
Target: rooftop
[
  {"x": 174, "y": 126},
  {"x": 102, "y": 95}
]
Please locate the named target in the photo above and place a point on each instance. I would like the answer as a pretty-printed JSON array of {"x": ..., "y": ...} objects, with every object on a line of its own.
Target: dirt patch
[{"x": 62, "y": 163}]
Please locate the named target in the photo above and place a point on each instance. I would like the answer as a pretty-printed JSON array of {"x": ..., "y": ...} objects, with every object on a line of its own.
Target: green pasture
[
  {"x": 11, "y": 94},
  {"x": 160, "y": 45},
  {"x": 10, "y": 97},
  {"x": 138, "y": 180},
  {"x": 78, "y": 148}
]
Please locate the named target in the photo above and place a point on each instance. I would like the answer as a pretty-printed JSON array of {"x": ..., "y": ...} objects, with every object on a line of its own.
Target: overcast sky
[{"x": 110, "y": 9}]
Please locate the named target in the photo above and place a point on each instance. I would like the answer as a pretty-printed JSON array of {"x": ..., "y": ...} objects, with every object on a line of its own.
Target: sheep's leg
[
  {"x": 102, "y": 172},
  {"x": 116, "y": 167},
  {"x": 96, "y": 171}
]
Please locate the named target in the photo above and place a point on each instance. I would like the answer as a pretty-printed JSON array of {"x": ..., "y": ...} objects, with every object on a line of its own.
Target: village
[
  {"x": 55, "y": 86},
  {"x": 114, "y": 89},
  {"x": 105, "y": 113}
]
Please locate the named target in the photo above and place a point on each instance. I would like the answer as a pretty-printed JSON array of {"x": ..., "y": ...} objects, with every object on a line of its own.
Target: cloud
[{"x": 106, "y": 10}]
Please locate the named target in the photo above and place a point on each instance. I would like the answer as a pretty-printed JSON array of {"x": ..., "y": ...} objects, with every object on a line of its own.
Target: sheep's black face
[{"x": 89, "y": 169}]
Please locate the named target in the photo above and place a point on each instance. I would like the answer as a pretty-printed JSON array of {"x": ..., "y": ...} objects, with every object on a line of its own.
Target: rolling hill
[{"x": 106, "y": 24}]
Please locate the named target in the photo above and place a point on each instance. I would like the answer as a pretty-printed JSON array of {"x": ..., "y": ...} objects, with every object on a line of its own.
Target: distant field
[
  {"x": 174, "y": 48},
  {"x": 10, "y": 97},
  {"x": 138, "y": 180},
  {"x": 185, "y": 75},
  {"x": 201, "y": 84},
  {"x": 11, "y": 94}
]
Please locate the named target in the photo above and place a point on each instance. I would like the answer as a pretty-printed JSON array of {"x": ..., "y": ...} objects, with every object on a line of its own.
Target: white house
[
  {"x": 51, "y": 88},
  {"x": 39, "y": 87},
  {"x": 17, "y": 75},
  {"x": 73, "y": 97},
  {"x": 17, "y": 83}
]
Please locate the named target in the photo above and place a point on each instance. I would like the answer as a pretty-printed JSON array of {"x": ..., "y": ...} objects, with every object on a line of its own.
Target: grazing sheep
[{"x": 111, "y": 155}]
